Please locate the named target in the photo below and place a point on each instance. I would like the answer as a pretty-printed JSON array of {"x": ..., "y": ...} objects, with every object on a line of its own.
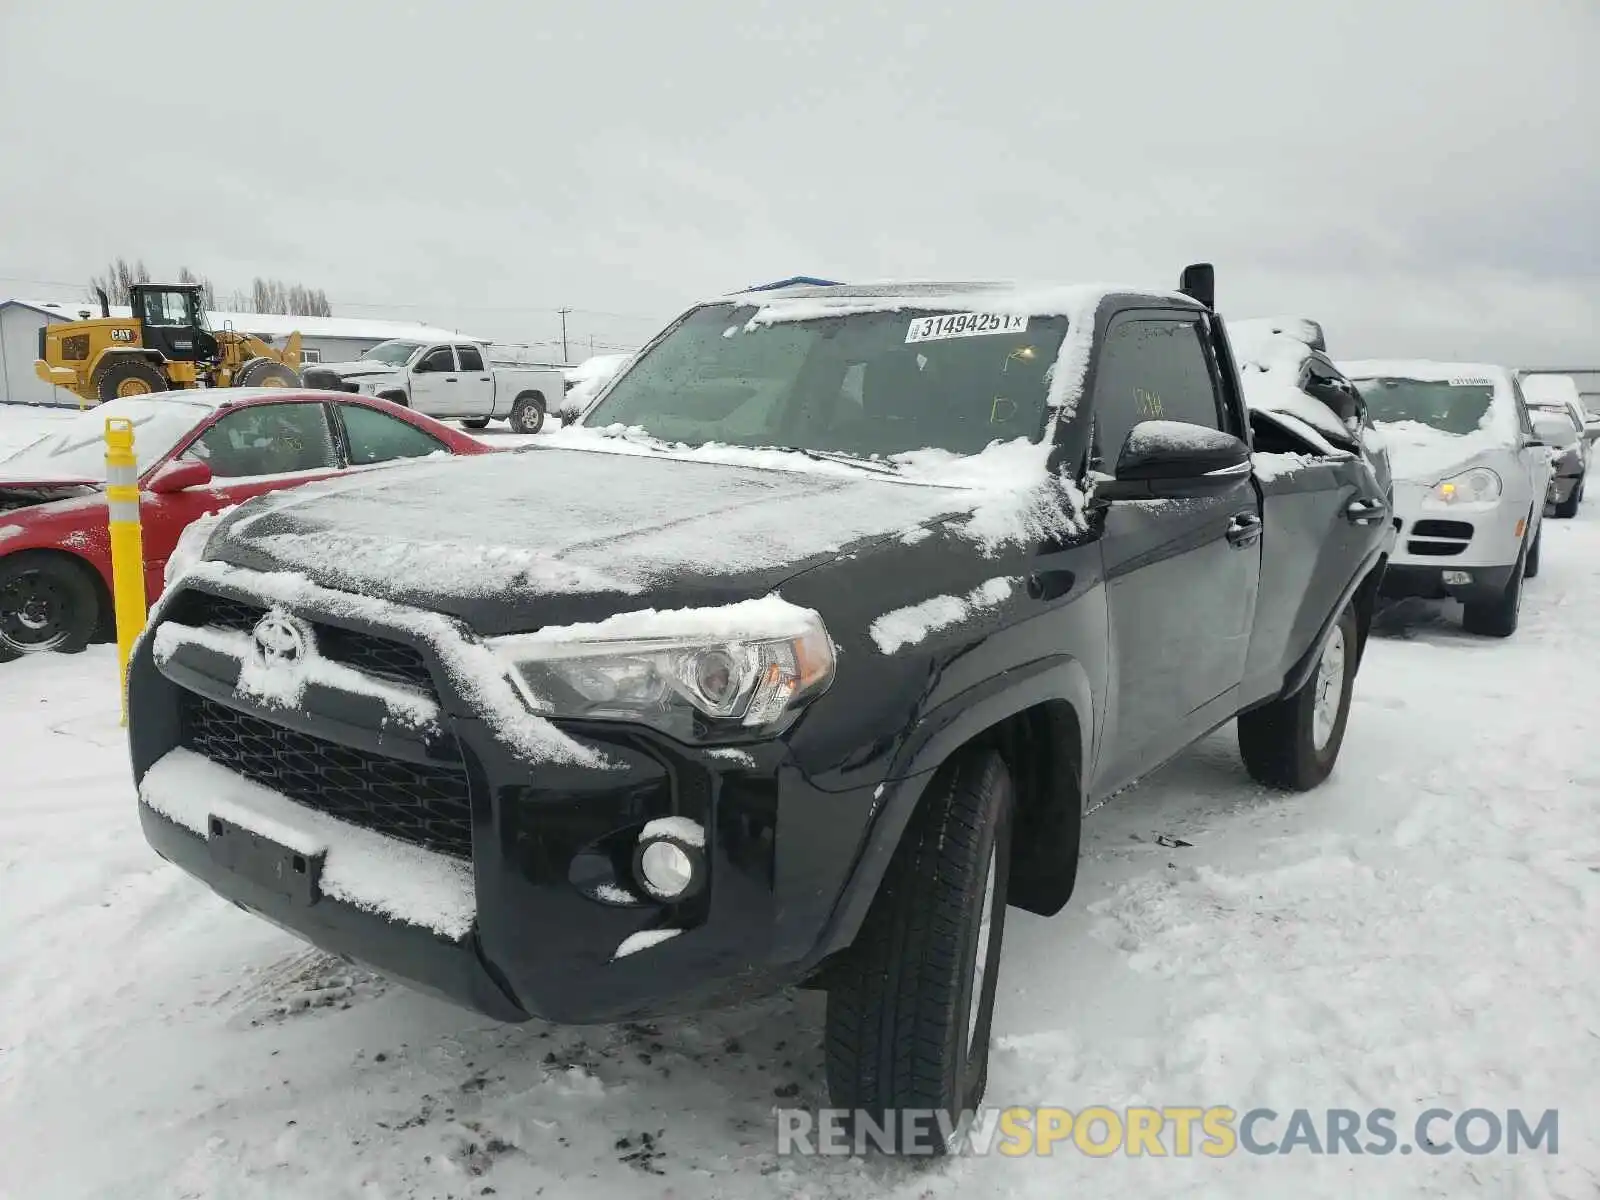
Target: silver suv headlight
[
  {"x": 1476, "y": 486},
  {"x": 691, "y": 684}
]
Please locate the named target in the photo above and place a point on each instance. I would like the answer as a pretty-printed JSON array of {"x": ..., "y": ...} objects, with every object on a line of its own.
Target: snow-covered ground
[{"x": 1423, "y": 931}]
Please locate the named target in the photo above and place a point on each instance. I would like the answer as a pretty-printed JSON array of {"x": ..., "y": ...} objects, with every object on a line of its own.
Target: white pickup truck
[{"x": 450, "y": 380}]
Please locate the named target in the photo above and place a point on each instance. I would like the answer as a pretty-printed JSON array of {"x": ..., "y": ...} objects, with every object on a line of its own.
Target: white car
[
  {"x": 1470, "y": 480},
  {"x": 1560, "y": 418}
]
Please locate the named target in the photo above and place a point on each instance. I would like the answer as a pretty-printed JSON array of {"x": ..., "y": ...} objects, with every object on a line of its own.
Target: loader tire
[
  {"x": 264, "y": 372},
  {"x": 128, "y": 376}
]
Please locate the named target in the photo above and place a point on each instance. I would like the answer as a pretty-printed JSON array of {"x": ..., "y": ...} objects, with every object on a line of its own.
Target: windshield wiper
[{"x": 841, "y": 456}]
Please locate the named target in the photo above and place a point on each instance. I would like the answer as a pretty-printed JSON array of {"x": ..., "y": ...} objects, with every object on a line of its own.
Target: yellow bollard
[{"x": 127, "y": 543}]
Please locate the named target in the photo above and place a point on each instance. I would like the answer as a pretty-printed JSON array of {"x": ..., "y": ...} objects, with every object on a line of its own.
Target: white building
[{"x": 322, "y": 339}]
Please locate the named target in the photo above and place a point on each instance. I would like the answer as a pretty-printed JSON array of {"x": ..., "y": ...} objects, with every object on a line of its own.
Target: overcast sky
[{"x": 1421, "y": 175}]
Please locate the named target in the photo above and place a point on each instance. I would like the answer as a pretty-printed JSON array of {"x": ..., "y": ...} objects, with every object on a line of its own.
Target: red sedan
[{"x": 199, "y": 451}]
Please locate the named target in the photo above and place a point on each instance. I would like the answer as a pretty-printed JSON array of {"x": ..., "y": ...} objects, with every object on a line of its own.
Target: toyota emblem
[{"x": 282, "y": 640}]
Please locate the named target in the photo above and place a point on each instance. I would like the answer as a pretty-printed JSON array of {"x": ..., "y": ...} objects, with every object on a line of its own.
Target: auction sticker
[
  {"x": 957, "y": 325},
  {"x": 1471, "y": 381}
]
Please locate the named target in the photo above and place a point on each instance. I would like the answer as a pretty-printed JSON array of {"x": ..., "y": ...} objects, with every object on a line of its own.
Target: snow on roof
[
  {"x": 273, "y": 325},
  {"x": 1559, "y": 390},
  {"x": 1424, "y": 370},
  {"x": 1270, "y": 352}
]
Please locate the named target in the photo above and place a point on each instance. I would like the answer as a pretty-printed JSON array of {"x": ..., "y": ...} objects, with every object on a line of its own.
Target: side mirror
[
  {"x": 1165, "y": 459},
  {"x": 1199, "y": 282},
  {"x": 1533, "y": 442},
  {"x": 180, "y": 475}
]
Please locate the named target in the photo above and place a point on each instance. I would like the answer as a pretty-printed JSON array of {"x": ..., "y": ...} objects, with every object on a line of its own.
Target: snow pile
[
  {"x": 374, "y": 873},
  {"x": 476, "y": 670},
  {"x": 684, "y": 829},
  {"x": 769, "y": 618},
  {"x": 191, "y": 545},
  {"x": 589, "y": 378},
  {"x": 283, "y": 685},
  {"x": 1270, "y": 355},
  {"x": 1150, "y": 436},
  {"x": 908, "y": 626},
  {"x": 1558, "y": 391},
  {"x": 10, "y": 531},
  {"x": 643, "y": 940},
  {"x": 1273, "y": 466}
]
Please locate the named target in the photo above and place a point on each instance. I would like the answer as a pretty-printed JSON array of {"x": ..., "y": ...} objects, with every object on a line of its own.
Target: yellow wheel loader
[{"x": 166, "y": 344}]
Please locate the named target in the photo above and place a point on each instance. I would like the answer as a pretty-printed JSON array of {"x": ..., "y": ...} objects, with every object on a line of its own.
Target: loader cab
[{"x": 172, "y": 319}]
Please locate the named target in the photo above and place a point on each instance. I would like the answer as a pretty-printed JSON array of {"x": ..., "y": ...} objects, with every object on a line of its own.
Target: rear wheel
[
  {"x": 1569, "y": 507},
  {"x": 127, "y": 376},
  {"x": 911, "y": 1002},
  {"x": 1293, "y": 743},
  {"x": 264, "y": 372},
  {"x": 47, "y": 602},
  {"x": 527, "y": 414}
]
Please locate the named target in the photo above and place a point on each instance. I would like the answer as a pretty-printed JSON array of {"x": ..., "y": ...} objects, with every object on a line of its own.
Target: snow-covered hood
[
  {"x": 554, "y": 535},
  {"x": 357, "y": 367},
  {"x": 1419, "y": 453}
]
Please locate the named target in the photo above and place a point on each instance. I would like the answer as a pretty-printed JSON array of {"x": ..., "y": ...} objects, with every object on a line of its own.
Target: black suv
[{"x": 798, "y": 660}]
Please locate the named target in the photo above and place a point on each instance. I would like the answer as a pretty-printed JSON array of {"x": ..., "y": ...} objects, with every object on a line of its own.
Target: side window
[
  {"x": 267, "y": 439},
  {"x": 377, "y": 437},
  {"x": 1150, "y": 370},
  {"x": 439, "y": 359},
  {"x": 471, "y": 358}
]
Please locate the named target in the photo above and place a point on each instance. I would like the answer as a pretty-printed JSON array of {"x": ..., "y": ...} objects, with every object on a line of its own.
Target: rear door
[
  {"x": 476, "y": 383},
  {"x": 252, "y": 449},
  {"x": 1180, "y": 574},
  {"x": 436, "y": 383}
]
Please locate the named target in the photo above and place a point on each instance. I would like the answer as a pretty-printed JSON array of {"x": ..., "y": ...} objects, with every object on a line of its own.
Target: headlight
[
  {"x": 692, "y": 685},
  {"x": 1476, "y": 486}
]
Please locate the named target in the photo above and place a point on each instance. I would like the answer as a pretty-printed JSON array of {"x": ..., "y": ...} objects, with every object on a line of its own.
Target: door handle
[
  {"x": 1050, "y": 585},
  {"x": 450, "y": 379},
  {"x": 484, "y": 379},
  {"x": 1244, "y": 529},
  {"x": 1365, "y": 512}
]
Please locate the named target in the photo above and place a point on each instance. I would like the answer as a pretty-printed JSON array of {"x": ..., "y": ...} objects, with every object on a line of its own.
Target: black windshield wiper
[{"x": 840, "y": 456}]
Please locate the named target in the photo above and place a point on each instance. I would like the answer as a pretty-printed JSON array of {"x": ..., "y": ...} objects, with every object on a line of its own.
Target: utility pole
[{"x": 564, "y": 312}]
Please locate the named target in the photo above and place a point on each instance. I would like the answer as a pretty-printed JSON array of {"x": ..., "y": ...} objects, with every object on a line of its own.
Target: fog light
[
  {"x": 670, "y": 866},
  {"x": 1455, "y": 577}
]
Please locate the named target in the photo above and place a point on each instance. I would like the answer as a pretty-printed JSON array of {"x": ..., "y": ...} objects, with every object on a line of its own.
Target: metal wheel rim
[
  {"x": 133, "y": 387},
  {"x": 32, "y": 604},
  {"x": 980, "y": 961},
  {"x": 1329, "y": 689}
]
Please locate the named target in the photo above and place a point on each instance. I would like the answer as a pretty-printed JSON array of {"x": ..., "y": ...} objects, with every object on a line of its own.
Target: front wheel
[
  {"x": 264, "y": 372},
  {"x": 47, "y": 602},
  {"x": 911, "y": 1002},
  {"x": 527, "y": 414},
  {"x": 1292, "y": 743},
  {"x": 1499, "y": 615},
  {"x": 475, "y": 423}
]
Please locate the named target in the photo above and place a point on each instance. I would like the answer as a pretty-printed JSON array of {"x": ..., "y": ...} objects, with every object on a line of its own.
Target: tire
[
  {"x": 1532, "y": 569},
  {"x": 1498, "y": 617},
  {"x": 47, "y": 602},
  {"x": 904, "y": 1029},
  {"x": 1569, "y": 507},
  {"x": 1292, "y": 743},
  {"x": 264, "y": 372},
  {"x": 400, "y": 398},
  {"x": 475, "y": 423},
  {"x": 126, "y": 375},
  {"x": 527, "y": 414}
]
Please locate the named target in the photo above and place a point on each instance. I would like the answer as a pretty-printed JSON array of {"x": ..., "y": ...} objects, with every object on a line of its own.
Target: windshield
[
  {"x": 393, "y": 353},
  {"x": 874, "y": 383},
  {"x": 79, "y": 450},
  {"x": 1451, "y": 406}
]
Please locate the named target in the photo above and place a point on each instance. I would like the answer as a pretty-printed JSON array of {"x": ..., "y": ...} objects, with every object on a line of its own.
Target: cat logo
[{"x": 122, "y": 335}]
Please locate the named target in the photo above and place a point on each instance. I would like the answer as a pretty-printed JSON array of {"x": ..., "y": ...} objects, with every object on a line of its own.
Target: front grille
[
  {"x": 1435, "y": 549},
  {"x": 368, "y": 654},
  {"x": 425, "y": 805},
  {"x": 1443, "y": 529}
]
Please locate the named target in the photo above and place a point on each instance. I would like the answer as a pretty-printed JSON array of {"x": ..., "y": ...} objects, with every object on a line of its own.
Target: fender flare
[
  {"x": 110, "y": 353},
  {"x": 937, "y": 735}
]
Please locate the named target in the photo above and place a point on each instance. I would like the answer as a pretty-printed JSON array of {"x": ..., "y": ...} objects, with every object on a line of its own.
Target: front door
[
  {"x": 436, "y": 383},
  {"x": 1181, "y": 575},
  {"x": 169, "y": 322},
  {"x": 250, "y": 450}
]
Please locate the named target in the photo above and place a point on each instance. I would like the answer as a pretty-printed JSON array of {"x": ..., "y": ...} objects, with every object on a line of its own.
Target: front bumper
[
  {"x": 1436, "y": 537},
  {"x": 548, "y": 847}
]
